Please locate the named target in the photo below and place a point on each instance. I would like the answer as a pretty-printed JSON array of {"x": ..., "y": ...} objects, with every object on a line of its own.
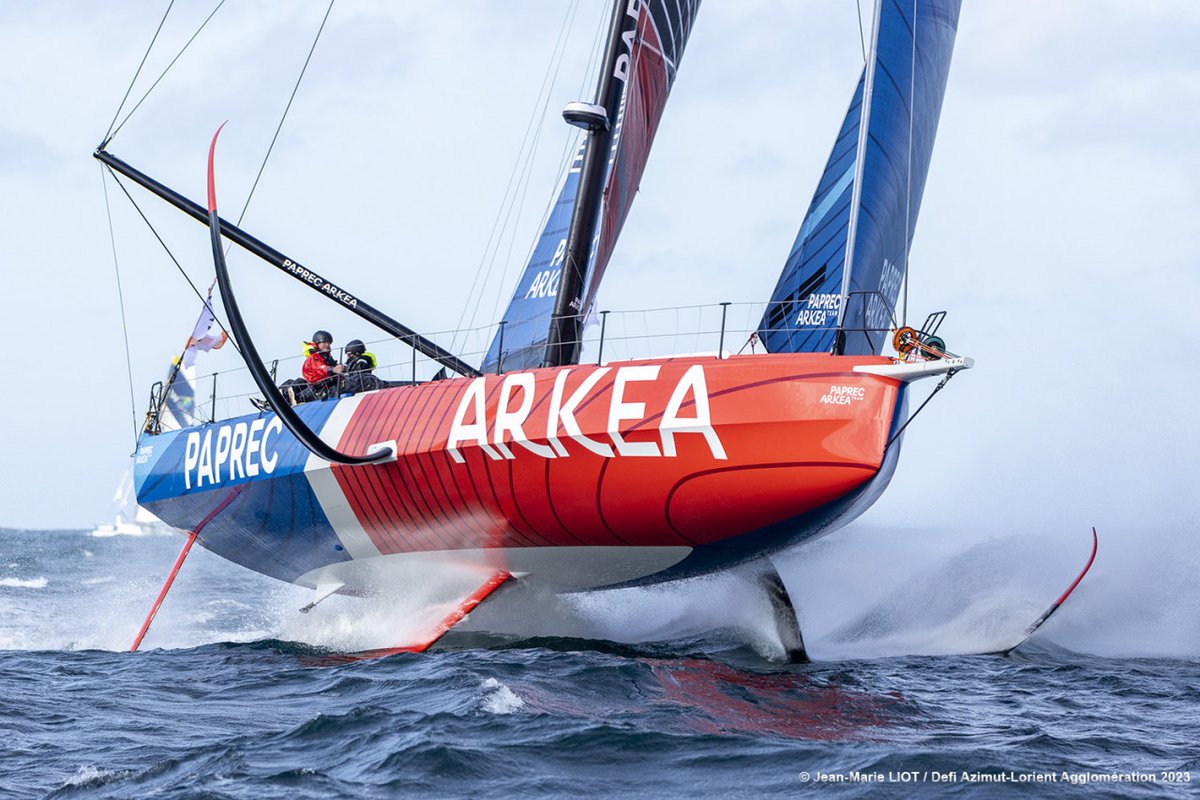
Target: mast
[{"x": 599, "y": 119}]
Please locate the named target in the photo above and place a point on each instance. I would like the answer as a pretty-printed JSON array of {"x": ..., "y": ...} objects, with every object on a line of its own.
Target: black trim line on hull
[{"x": 262, "y": 376}]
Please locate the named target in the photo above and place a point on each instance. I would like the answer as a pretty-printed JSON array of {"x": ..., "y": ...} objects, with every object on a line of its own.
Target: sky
[{"x": 1060, "y": 225}]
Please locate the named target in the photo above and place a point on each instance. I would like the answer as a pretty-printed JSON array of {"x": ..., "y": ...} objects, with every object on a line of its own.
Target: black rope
[
  {"x": 278, "y": 128},
  {"x": 108, "y": 135},
  {"x": 203, "y": 300},
  {"x": 112, "y": 237},
  {"x": 941, "y": 385},
  {"x": 188, "y": 44}
]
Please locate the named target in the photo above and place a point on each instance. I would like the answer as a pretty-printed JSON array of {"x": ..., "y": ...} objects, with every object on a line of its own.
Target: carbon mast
[{"x": 599, "y": 119}]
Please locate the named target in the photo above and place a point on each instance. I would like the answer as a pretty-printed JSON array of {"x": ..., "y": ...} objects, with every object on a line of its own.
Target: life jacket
[{"x": 363, "y": 362}]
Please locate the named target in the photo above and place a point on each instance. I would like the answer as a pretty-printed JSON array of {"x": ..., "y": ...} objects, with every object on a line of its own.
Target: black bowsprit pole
[
  {"x": 262, "y": 377},
  {"x": 352, "y": 303}
]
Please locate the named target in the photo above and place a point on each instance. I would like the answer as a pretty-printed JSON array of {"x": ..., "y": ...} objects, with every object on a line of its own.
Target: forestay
[
  {"x": 655, "y": 33},
  {"x": 840, "y": 283}
]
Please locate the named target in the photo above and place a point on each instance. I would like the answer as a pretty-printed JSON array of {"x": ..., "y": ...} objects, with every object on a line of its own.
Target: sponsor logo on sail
[{"x": 820, "y": 310}]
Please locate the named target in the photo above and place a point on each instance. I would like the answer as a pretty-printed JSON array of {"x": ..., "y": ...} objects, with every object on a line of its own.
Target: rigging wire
[
  {"x": 186, "y": 277},
  {"x": 287, "y": 108},
  {"x": 524, "y": 190},
  {"x": 570, "y": 149},
  {"x": 108, "y": 134},
  {"x": 590, "y": 77},
  {"x": 862, "y": 39},
  {"x": 204, "y": 301},
  {"x": 941, "y": 385},
  {"x": 182, "y": 50},
  {"x": 522, "y": 169},
  {"x": 496, "y": 233},
  {"x": 112, "y": 237},
  {"x": 571, "y": 146}
]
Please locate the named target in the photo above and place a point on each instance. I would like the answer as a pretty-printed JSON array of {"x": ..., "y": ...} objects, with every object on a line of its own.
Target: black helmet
[
  {"x": 322, "y": 336},
  {"x": 355, "y": 347}
]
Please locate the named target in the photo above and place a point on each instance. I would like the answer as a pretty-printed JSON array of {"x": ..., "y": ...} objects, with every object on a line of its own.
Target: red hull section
[{"x": 672, "y": 452}]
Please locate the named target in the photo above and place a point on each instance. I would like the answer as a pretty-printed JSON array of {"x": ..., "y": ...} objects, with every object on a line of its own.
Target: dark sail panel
[
  {"x": 870, "y": 193},
  {"x": 662, "y": 29}
]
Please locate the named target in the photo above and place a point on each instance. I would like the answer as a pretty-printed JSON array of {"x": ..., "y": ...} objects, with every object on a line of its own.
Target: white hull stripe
[{"x": 330, "y": 495}]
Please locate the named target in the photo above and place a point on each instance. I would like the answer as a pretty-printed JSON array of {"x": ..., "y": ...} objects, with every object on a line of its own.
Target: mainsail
[
  {"x": 653, "y": 39},
  {"x": 840, "y": 283}
]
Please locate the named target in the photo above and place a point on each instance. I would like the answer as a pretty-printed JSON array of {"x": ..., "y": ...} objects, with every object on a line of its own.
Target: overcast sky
[{"x": 1060, "y": 224}]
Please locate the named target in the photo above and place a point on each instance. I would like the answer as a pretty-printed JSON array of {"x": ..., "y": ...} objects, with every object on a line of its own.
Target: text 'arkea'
[{"x": 493, "y": 436}]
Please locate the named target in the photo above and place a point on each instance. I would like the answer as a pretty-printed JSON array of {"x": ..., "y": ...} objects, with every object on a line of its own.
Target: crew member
[
  {"x": 321, "y": 369},
  {"x": 360, "y": 365}
]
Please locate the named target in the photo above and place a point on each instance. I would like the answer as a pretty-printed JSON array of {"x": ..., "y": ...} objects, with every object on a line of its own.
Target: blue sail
[{"x": 840, "y": 283}]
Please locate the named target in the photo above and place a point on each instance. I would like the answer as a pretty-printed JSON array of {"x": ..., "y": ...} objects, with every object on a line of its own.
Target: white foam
[
  {"x": 24, "y": 583},
  {"x": 89, "y": 775},
  {"x": 500, "y": 699}
]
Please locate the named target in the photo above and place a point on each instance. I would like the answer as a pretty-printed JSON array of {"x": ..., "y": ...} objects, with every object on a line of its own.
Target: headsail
[
  {"x": 653, "y": 39},
  {"x": 844, "y": 272}
]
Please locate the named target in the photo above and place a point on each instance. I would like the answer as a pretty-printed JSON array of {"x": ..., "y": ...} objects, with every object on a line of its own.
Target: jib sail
[{"x": 840, "y": 283}]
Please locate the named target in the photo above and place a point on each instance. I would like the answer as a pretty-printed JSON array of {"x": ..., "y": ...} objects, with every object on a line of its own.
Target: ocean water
[{"x": 674, "y": 691}]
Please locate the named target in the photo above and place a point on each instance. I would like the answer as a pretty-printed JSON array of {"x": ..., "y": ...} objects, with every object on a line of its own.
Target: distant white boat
[{"x": 129, "y": 518}]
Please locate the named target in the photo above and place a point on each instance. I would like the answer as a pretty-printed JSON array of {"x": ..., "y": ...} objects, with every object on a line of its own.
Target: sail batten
[{"x": 870, "y": 192}]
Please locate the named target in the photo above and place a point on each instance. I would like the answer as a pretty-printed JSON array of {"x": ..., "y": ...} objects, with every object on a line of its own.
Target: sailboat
[
  {"x": 537, "y": 466},
  {"x": 129, "y": 518}
]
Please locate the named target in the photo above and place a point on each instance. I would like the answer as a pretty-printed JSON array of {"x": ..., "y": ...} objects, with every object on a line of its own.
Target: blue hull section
[{"x": 242, "y": 483}]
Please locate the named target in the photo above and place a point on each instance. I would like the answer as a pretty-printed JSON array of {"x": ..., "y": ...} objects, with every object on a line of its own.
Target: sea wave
[{"x": 500, "y": 699}]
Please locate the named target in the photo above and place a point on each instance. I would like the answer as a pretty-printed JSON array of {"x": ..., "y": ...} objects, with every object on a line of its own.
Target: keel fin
[
  {"x": 1057, "y": 603},
  {"x": 786, "y": 624}
]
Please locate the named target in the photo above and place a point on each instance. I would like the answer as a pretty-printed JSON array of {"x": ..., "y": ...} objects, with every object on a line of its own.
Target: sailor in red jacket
[{"x": 321, "y": 368}]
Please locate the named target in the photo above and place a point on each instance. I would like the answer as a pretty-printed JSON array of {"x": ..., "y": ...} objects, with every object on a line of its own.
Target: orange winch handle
[{"x": 904, "y": 340}]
